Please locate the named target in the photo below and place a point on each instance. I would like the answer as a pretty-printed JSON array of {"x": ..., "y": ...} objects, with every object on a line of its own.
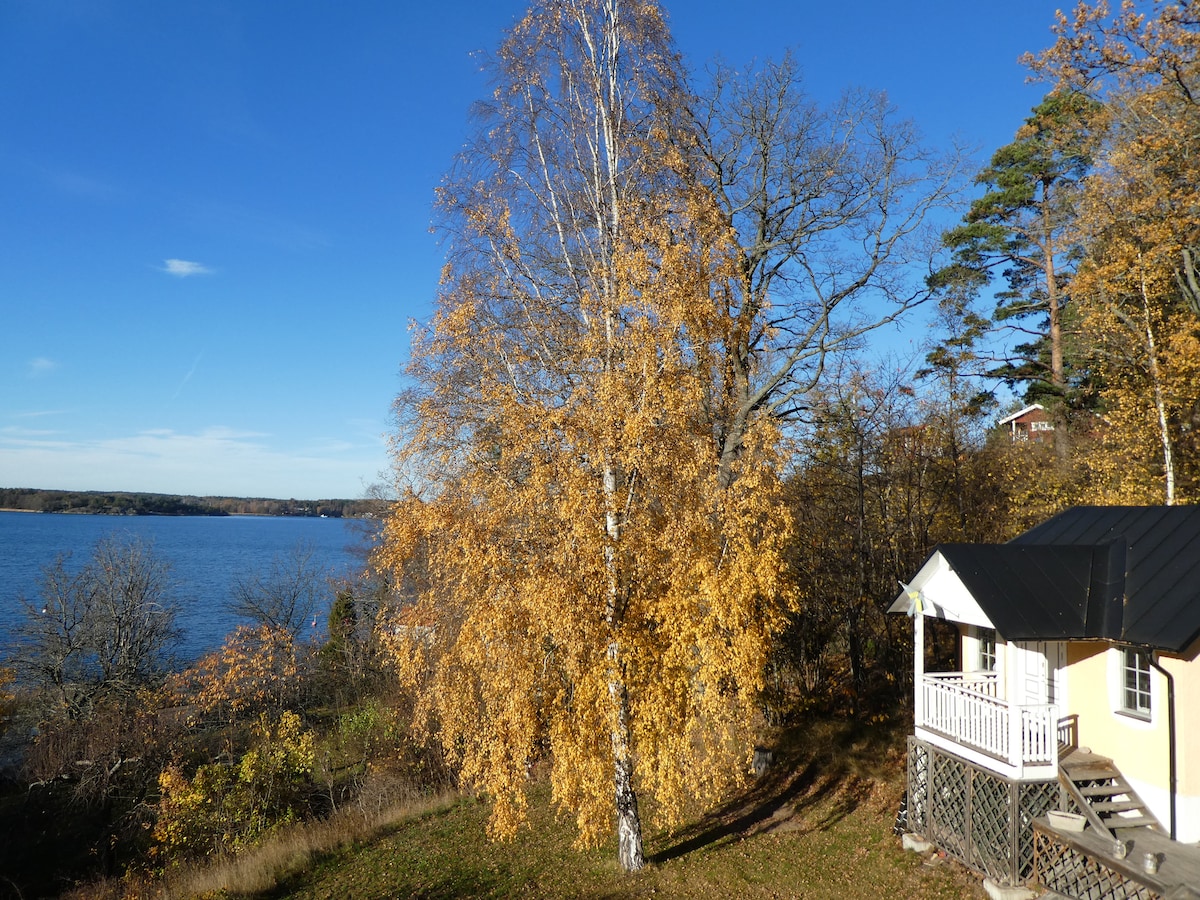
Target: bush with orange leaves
[{"x": 258, "y": 667}]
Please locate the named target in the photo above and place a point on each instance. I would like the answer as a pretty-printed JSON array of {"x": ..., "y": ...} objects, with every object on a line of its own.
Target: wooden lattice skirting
[
  {"x": 1066, "y": 870},
  {"x": 981, "y": 818}
]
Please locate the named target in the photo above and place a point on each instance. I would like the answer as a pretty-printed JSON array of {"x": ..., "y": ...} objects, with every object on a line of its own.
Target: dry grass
[
  {"x": 261, "y": 869},
  {"x": 293, "y": 851},
  {"x": 817, "y": 826}
]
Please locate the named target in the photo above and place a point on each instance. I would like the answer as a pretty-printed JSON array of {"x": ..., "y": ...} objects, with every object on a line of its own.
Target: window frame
[
  {"x": 1136, "y": 684},
  {"x": 986, "y": 656}
]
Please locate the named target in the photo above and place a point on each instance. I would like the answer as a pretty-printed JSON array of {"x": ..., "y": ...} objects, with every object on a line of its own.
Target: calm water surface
[{"x": 206, "y": 554}]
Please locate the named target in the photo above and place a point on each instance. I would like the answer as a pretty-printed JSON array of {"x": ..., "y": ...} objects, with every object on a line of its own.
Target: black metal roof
[{"x": 1120, "y": 573}]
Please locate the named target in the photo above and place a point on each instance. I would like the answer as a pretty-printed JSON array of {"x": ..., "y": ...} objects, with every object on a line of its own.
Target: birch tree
[{"x": 594, "y": 590}]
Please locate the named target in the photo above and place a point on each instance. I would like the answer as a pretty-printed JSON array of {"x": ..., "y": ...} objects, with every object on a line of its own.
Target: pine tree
[
  {"x": 1140, "y": 226},
  {"x": 1020, "y": 228}
]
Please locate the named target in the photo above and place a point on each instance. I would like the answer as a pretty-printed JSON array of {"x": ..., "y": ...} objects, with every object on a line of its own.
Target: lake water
[{"x": 206, "y": 555}]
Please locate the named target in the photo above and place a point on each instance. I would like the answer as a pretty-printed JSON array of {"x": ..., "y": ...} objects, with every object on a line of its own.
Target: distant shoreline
[
  {"x": 244, "y": 515},
  {"x": 128, "y": 503}
]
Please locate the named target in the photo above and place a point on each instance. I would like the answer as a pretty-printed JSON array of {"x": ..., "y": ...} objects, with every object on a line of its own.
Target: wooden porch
[
  {"x": 975, "y": 814},
  {"x": 998, "y": 827}
]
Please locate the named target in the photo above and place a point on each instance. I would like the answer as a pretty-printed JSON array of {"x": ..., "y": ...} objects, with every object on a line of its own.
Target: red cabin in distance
[{"x": 1029, "y": 424}]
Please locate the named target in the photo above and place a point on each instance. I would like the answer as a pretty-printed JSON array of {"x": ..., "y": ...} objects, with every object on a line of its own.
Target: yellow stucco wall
[
  {"x": 1186, "y": 670},
  {"x": 1140, "y": 748}
]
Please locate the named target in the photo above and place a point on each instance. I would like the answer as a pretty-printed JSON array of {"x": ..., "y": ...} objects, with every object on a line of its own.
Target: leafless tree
[
  {"x": 830, "y": 207},
  {"x": 100, "y": 632},
  {"x": 283, "y": 597}
]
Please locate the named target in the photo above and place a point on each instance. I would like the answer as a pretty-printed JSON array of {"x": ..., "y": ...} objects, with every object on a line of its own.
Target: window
[
  {"x": 1041, "y": 426},
  {"x": 987, "y": 649},
  {"x": 1135, "y": 695}
]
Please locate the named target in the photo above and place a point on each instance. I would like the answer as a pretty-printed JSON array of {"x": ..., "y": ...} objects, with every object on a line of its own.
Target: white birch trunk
[
  {"x": 1160, "y": 406},
  {"x": 630, "y": 852},
  {"x": 629, "y": 824},
  {"x": 606, "y": 154}
]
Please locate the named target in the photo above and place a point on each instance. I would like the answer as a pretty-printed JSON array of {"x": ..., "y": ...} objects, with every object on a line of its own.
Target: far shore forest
[
  {"x": 651, "y": 495},
  {"x": 120, "y": 503}
]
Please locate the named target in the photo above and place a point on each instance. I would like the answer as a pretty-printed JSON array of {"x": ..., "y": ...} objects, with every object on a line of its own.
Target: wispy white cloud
[
  {"x": 41, "y": 365},
  {"x": 259, "y": 227},
  {"x": 184, "y": 268},
  {"x": 215, "y": 460},
  {"x": 40, "y": 413},
  {"x": 78, "y": 185},
  {"x": 14, "y": 434},
  {"x": 188, "y": 376}
]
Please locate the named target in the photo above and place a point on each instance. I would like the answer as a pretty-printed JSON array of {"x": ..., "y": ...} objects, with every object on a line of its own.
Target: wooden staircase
[{"x": 1102, "y": 794}]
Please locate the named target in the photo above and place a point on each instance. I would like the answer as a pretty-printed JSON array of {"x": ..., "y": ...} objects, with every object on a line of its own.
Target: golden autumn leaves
[
  {"x": 590, "y": 593},
  {"x": 531, "y": 605},
  {"x": 643, "y": 285}
]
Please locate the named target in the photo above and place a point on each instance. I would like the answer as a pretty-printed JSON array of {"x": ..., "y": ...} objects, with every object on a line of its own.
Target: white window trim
[
  {"x": 1116, "y": 682},
  {"x": 982, "y": 659},
  {"x": 972, "y": 656}
]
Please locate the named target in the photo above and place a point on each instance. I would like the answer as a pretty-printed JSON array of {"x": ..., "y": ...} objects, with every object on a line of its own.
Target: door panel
[{"x": 1041, "y": 672}]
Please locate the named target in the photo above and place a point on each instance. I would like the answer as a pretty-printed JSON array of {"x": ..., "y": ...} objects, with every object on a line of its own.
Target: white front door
[{"x": 1042, "y": 665}]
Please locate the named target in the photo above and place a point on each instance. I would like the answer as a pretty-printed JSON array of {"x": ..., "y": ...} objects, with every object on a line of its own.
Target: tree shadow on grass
[
  {"x": 751, "y": 812},
  {"x": 821, "y": 773}
]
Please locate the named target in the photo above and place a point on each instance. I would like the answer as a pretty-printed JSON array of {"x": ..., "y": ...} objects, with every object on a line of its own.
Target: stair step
[
  {"x": 1098, "y": 799},
  {"x": 1077, "y": 756},
  {"x": 1118, "y": 806},
  {"x": 1103, "y": 790},
  {"x": 1091, "y": 774},
  {"x": 1132, "y": 822}
]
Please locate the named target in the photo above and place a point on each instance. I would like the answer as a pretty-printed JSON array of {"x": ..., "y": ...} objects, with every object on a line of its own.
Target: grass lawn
[{"x": 817, "y": 826}]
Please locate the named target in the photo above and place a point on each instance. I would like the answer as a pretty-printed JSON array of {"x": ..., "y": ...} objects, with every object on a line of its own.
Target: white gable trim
[
  {"x": 943, "y": 595},
  {"x": 1021, "y": 412}
]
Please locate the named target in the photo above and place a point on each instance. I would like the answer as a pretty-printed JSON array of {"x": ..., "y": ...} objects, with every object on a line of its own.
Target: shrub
[
  {"x": 99, "y": 634},
  {"x": 225, "y": 808},
  {"x": 257, "y": 667}
]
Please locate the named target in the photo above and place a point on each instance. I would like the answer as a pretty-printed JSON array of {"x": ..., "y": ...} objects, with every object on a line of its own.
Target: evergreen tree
[{"x": 1020, "y": 229}]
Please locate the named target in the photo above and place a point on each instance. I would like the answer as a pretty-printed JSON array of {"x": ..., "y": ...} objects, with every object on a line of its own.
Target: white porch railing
[{"x": 965, "y": 707}]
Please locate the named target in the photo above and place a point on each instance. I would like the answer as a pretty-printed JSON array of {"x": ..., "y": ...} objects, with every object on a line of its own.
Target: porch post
[
  {"x": 918, "y": 668},
  {"x": 1013, "y": 674}
]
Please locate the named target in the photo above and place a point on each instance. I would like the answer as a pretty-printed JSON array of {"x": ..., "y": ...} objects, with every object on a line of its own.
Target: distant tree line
[{"x": 135, "y": 504}]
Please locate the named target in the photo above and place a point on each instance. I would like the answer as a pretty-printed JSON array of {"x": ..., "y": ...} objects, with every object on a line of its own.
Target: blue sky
[{"x": 214, "y": 216}]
